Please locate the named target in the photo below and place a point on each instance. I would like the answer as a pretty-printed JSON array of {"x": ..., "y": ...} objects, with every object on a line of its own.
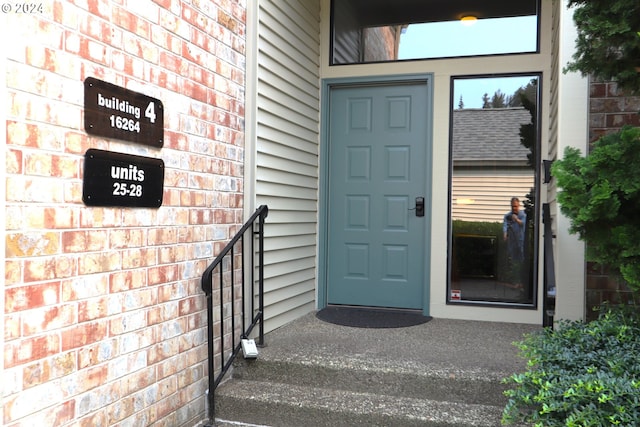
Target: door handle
[{"x": 419, "y": 208}]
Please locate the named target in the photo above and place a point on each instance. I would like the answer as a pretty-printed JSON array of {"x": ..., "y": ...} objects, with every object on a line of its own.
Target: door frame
[{"x": 323, "y": 200}]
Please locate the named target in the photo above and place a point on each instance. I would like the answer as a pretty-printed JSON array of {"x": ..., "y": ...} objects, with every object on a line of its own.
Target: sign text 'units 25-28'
[
  {"x": 118, "y": 179},
  {"x": 115, "y": 112}
]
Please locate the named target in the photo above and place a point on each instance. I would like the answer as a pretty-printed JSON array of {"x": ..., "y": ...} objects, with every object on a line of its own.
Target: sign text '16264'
[{"x": 115, "y": 112}]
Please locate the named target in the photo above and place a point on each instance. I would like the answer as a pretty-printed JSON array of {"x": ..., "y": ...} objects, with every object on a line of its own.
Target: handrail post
[
  {"x": 211, "y": 355},
  {"x": 261, "y": 277}
]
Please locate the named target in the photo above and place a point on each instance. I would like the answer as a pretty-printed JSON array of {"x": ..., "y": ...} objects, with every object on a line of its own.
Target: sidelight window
[{"x": 494, "y": 189}]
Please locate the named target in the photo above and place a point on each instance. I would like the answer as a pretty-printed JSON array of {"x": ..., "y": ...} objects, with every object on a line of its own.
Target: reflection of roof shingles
[{"x": 489, "y": 134}]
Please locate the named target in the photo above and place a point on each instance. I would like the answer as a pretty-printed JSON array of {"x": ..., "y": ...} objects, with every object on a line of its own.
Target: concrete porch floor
[{"x": 450, "y": 345}]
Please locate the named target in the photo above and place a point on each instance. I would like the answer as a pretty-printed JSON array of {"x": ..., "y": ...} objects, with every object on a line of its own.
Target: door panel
[{"x": 377, "y": 169}]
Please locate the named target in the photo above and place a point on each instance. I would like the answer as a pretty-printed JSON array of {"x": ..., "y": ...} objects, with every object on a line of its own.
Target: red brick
[
  {"x": 138, "y": 299},
  {"x": 99, "y": 262},
  {"x": 138, "y": 381},
  {"x": 12, "y": 326},
  {"x": 127, "y": 322},
  {"x": 19, "y": 352},
  {"x": 140, "y": 339},
  {"x": 83, "y": 334},
  {"x": 121, "y": 409},
  {"x": 76, "y": 143},
  {"x": 97, "y": 353},
  {"x": 23, "y": 134},
  {"x": 162, "y": 274},
  {"x": 169, "y": 254},
  {"x": 30, "y": 297},
  {"x": 49, "y": 268},
  {"x": 89, "y": 287},
  {"x": 96, "y": 419},
  {"x": 167, "y": 406},
  {"x": 166, "y": 349},
  {"x": 13, "y": 162},
  {"x": 191, "y": 305},
  {"x": 91, "y": 377},
  {"x": 190, "y": 376},
  {"x": 32, "y": 244},
  {"x": 127, "y": 238},
  {"x": 58, "y": 415},
  {"x": 165, "y": 4},
  {"x": 193, "y": 17},
  {"x": 49, "y": 319},
  {"x": 226, "y": 20},
  {"x": 60, "y": 217},
  {"x": 97, "y": 28},
  {"x": 140, "y": 257},
  {"x": 93, "y": 309},
  {"x": 48, "y": 369},
  {"x": 99, "y": 217},
  {"x": 130, "y": 22},
  {"x": 125, "y": 280}
]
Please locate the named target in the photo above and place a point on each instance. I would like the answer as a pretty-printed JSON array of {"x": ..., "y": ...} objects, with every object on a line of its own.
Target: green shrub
[
  {"x": 466, "y": 251},
  {"x": 600, "y": 194},
  {"x": 608, "y": 42},
  {"x": 580, "y": 374},
  {"x": 484, "y": 228},
  {"x": 467, "y": 255}
]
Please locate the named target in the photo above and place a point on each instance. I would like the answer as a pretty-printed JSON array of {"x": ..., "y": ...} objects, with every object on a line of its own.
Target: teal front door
[{"x": 378, "y": 182}]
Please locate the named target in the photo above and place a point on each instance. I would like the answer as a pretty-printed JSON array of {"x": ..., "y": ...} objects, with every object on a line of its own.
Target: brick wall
[
  {"x": 104, "y": 319},
  {"x": 381, "y": 43},
  {"x": 610, "y": 109}
]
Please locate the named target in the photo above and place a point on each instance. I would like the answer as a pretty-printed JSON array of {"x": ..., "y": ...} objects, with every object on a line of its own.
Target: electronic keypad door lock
[{"x": 419, "y": 206}]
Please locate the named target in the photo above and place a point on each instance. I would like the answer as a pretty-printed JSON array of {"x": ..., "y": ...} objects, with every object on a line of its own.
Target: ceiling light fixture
[{"x": 468, "y": 20}]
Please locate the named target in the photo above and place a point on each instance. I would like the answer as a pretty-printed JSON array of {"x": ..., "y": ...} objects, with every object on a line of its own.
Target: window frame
[{"x": 533, "y": 305}]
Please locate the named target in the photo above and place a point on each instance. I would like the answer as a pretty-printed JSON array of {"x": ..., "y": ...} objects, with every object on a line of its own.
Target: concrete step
[
  {"x": 277, "y": 390},
  {"x": 315, "y": 374},
  {"x": 284, "y": 405},
  {"x": 393, "y": 378}
]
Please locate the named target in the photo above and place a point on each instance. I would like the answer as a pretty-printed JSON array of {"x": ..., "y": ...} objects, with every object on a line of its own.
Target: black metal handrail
[
  {"x": 227, "y": 281},
  {"x": 548, "y": 305}
]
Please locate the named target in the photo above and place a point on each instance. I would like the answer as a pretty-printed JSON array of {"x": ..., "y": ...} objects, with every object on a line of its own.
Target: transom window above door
[{"x": 365, "y": 31}]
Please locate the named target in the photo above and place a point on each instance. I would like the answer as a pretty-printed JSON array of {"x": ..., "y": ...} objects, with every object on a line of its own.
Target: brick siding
[
  {"x": 609, "y": 110},
  {"x": 381, "y": 43},
  {"x": 104, "y": 319}
]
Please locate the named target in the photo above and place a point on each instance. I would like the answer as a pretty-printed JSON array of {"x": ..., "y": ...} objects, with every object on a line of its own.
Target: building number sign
[{"x": 115, "y": 112}]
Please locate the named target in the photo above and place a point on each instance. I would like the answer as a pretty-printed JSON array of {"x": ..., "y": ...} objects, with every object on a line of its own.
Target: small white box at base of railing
[{"x": 249, "y": 349}]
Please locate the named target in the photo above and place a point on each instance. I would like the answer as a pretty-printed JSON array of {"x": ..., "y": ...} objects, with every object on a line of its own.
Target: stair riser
[
  {"x": 275, "y": 415},
  {"x": 452, "y": 388}
]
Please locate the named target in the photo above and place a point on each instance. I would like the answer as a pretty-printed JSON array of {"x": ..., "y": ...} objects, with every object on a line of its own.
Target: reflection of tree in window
[{"x": 527, "y": 97}]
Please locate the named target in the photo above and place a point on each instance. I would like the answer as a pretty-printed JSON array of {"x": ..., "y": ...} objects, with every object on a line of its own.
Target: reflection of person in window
[{"x": 513, "y": 227}]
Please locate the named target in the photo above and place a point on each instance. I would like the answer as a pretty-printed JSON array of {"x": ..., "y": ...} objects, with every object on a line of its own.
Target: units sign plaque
[
  {"x": 115, "y": 112},
  {"x": 117, "y": 179}
]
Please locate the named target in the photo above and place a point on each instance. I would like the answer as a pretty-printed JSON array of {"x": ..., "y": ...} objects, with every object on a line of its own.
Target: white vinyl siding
[
  {"x": 556, "y": 72},
  {"x": 487, "y": 197},
  {"x": 287, "y": 138}
]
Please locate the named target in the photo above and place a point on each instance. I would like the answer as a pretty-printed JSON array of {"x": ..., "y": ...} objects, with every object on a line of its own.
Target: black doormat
[{"x": 359, "y": 317}]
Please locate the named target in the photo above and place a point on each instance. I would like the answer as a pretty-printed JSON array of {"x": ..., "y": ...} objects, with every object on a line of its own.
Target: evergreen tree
[
  {"x": 527, "y": 92},
  {"x": 608, "y": 43},
  {"x": 498, "y": 100},
  {"x": 460, "y": 103},
  {"x": 486, "y": 102}
]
